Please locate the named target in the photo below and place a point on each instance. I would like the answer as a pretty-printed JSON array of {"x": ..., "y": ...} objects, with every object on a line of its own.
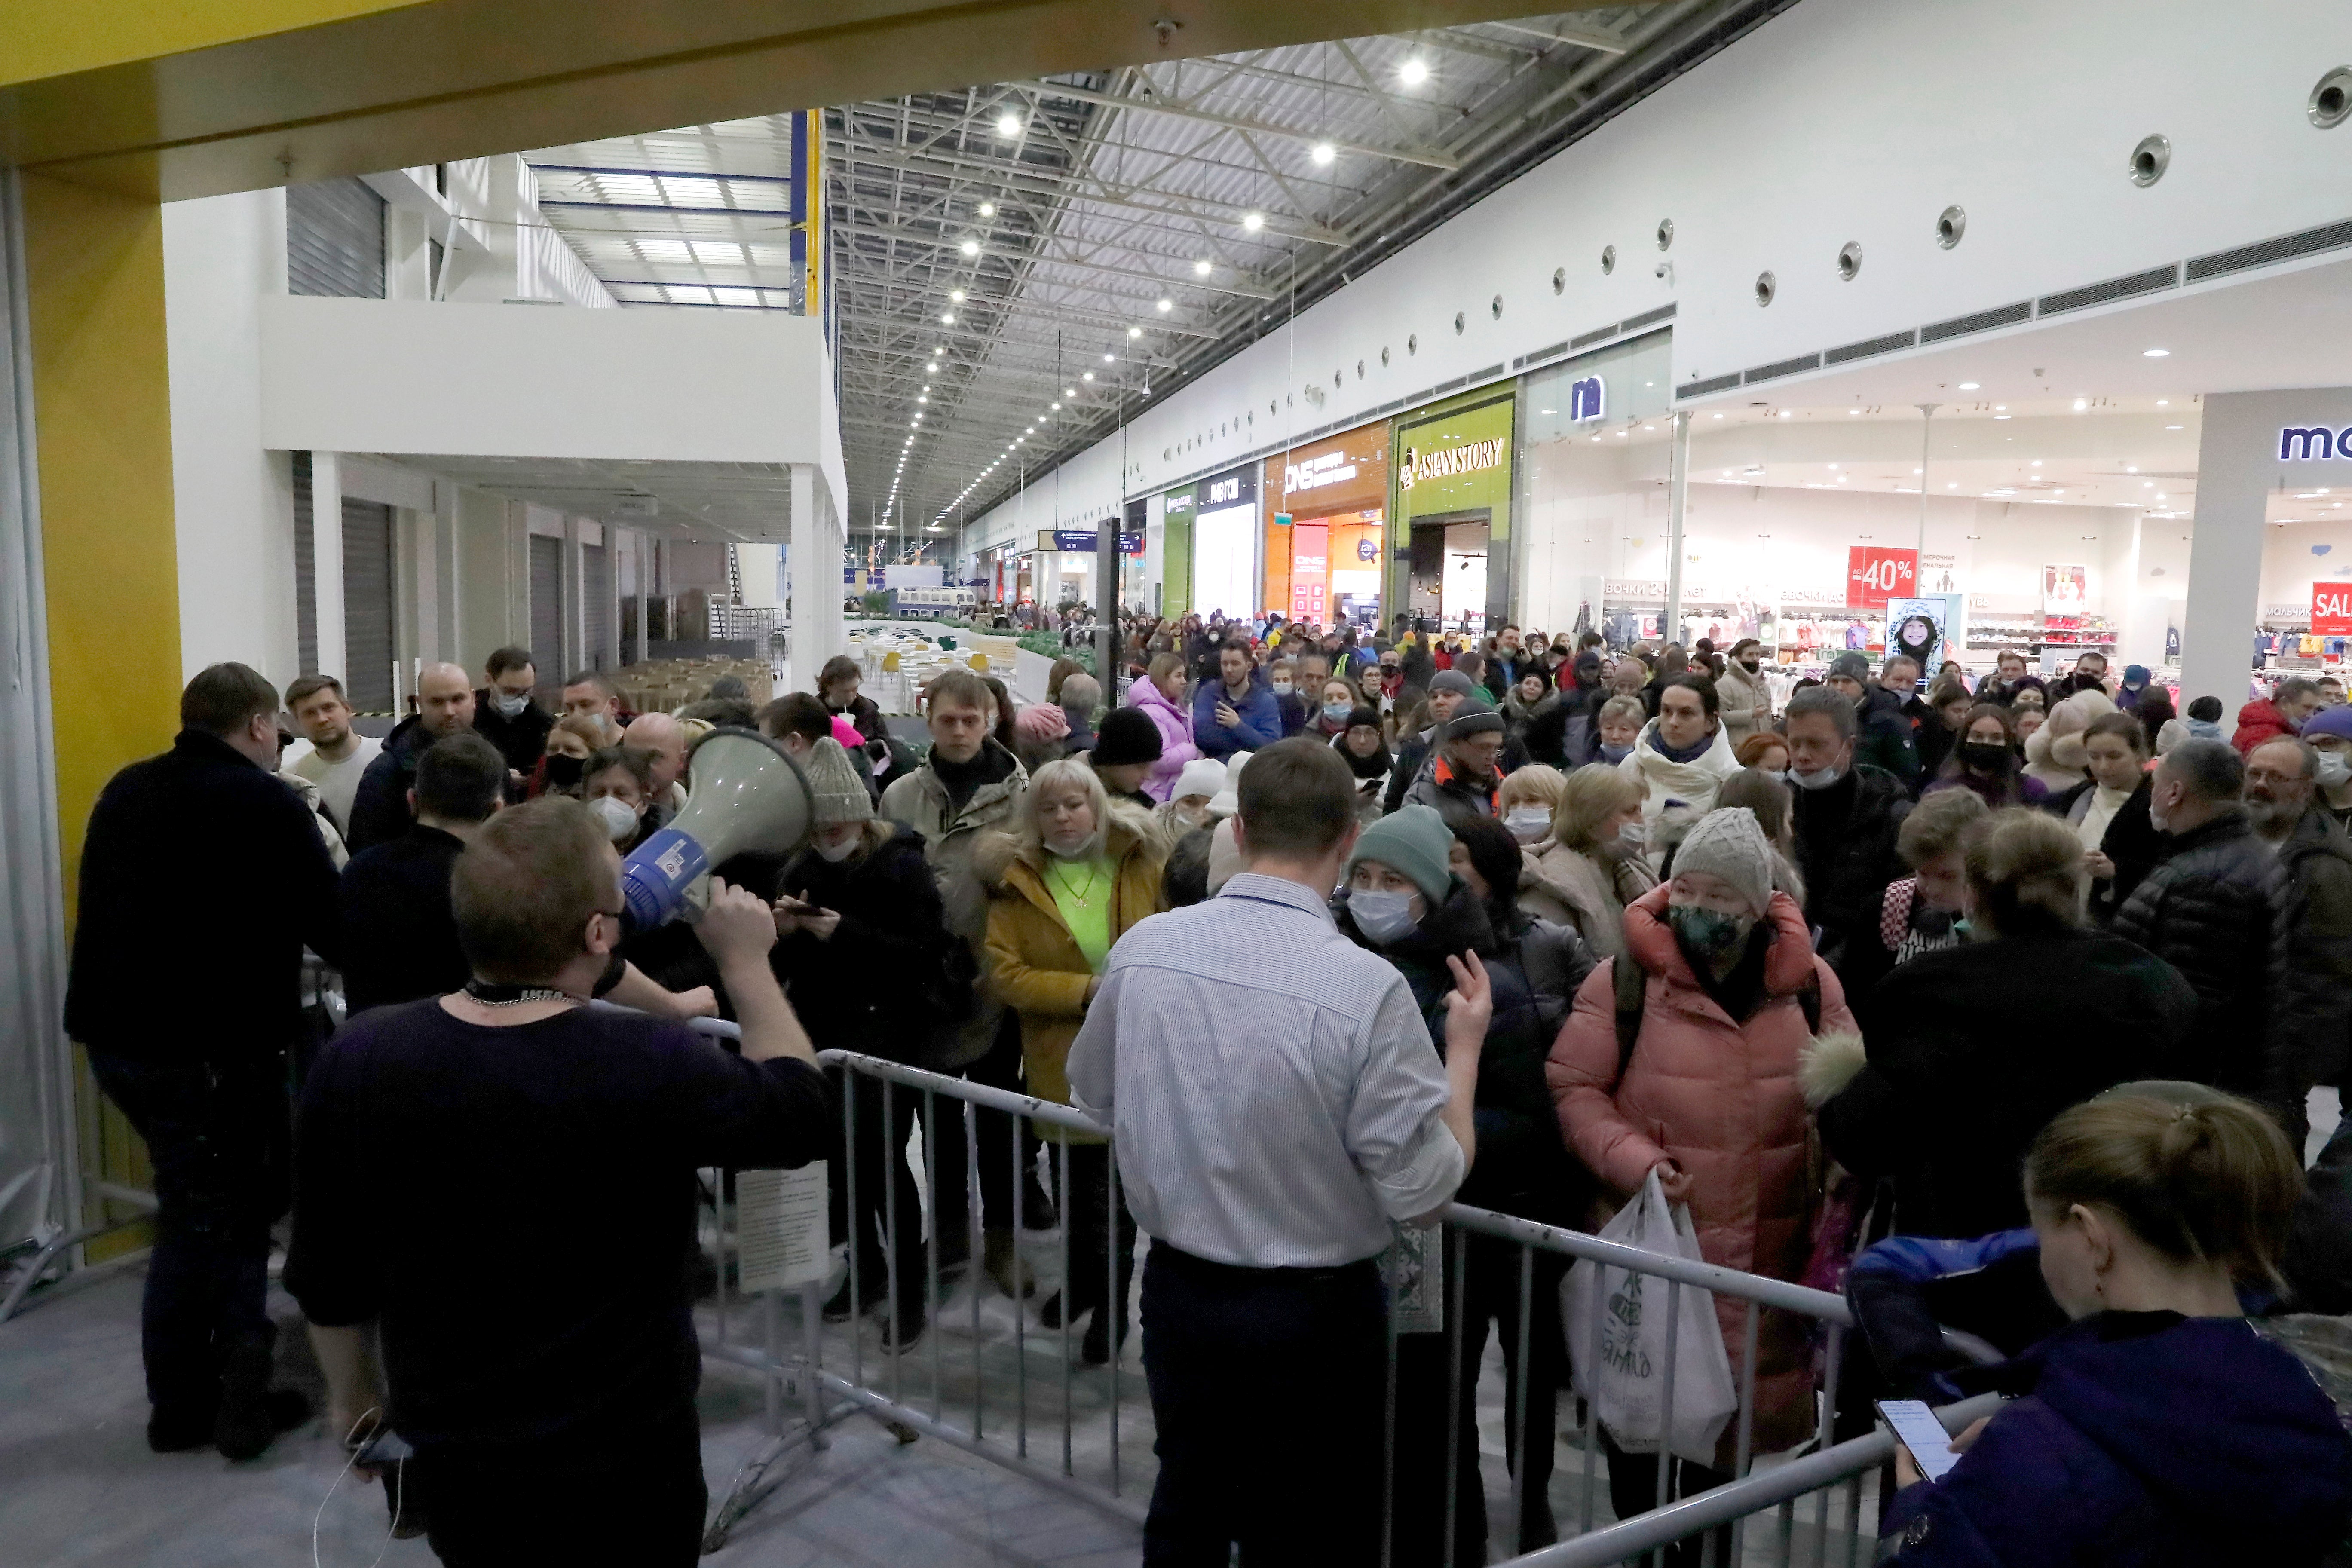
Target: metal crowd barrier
[{"x": 1079, "y": 1430}]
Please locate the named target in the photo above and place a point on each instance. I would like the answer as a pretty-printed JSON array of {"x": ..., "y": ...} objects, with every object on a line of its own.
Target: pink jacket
[
  {"x": 1721, "y": 1098},
  {"x": 1176, "y": 746}
]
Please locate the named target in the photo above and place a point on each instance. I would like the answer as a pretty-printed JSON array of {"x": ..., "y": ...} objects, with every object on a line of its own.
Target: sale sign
[
  {"x": 2331, "y": 609},
  {"x": 1875, "y": 575}
]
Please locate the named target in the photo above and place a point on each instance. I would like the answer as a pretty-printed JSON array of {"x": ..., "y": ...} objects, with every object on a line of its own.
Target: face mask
[
  {"x": 2334, "y": 770},
  {"x": 1751, "y": 665},
  {"x": 1986, "y": 754},
  {"x": 1632, "y": 837},
  {"x": 1710, "y": 933},
  {"x": 1336, "y": 713},
  {"x": 1075, "y": 852},
  {"x": 837, "y": 853},
  {"x": 1383, "y": 917},
  {"x": 1528, "y": 823},
  {"x": 619, "y": 820},
  {"x": 1822, "y": 780},
  {"x": 1281, "y": 689},
  {"x": 508, "y": 707},
  {"x": 1612, "y": 755},
  {"x": 563, "y": 772}
]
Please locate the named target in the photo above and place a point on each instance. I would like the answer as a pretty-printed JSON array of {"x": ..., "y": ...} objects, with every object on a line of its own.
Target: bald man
[
  {"x": 445, "y": 707},
  {"x": 665, "y": 737}
]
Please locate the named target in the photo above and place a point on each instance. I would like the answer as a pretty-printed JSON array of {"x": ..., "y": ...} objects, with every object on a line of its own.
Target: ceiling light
[
  {"x": 1252, "y": 222},
  {"x": 1057, "y": 407},
  {"x": 1164, "y": 306},
  {"x": 2003, "y": 416},
  {"x": 1135, "y": 332},
  {"x": 2161, "y": 402},
  {"x": 1008, "y": 125},
  {"x": 947, "y": 317},
  {"x": 2037, "y": 462},
  {"x": 2156, "y": 353},
  {"x": 1784, "y": 414},
  {"x": 1111, "y": 359},
  {"x": 988, "y": 209},
  {"x": 1413, "y": 72},
  {"x": 1853, "y": 411},
  {"x": 910, "y": 425},
  {"x": 2081, "y": 404},
  {"x": 1202, "y": 268},
  {"x": 1090, "y": 375},
  {"x": 970, "y": 247},
  {"x": 920, "y": 398},
  {"x": 1969, "y": 385},
  {"x": 1323, "y": 153},
  {"x": 957, "y": 295}
]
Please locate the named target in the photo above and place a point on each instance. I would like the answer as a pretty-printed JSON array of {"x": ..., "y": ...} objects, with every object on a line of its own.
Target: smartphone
[{"x": 1916, "y": 1429}]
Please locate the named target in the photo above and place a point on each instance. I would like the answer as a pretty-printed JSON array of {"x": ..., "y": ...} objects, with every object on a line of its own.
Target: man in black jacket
[
  {"x": 2216, "y": 909},
  {"x": 1885, "y": 739},
  {"x": 1845, "y": 814},
  {"x": 203, "y": 877},
  {"x": 506, "y": 715},
  {"x": 1448, "y": 689},
  {"x": 445, "y": 707},
  {"x": 400, "y": 938},
  {"x": 2315, "y": 1009}
]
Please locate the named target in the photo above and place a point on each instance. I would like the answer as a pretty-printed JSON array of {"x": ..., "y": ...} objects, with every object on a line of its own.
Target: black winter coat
[
  {"x": 522, "y": 739},
  {"x": 1974, "y": 1049},
  {"x": 1845, "y": 852},
  {"x": 1884, "y": 737},
  {"x": 2131, "y": 841},
  {"x": 2314, "y": 1025},
  {"x": 203, "y": 877},
  {"x": 871, "y": 986},
  {"x": 2216, "y": 909},
  {"x": 1523, "y": 1166},
  {"x": 380, "y": 811}
]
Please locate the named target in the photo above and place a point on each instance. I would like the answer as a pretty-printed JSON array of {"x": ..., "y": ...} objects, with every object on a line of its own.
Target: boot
[{"x": 1002, "y": 1262}]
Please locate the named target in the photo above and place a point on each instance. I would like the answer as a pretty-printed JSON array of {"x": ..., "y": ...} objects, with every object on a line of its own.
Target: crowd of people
[{"x": 1331, "y": 928}]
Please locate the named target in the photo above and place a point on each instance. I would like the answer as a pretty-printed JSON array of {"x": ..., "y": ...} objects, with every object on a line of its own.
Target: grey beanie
[
  {"x": 1452, "y": 681},
  {"x": 837, "y": 794},
  {"x": 1728, "y": 843},
  {"x": 1848, "y": 667},
  {"x": 1472, "y": 717}
]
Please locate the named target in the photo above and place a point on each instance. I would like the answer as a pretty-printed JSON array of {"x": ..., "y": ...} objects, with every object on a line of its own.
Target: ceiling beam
[{"x": 1241, "y": 122}]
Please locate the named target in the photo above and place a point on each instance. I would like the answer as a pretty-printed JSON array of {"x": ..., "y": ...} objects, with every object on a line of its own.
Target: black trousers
[
  {"x": 1097, "y": 1234},
  {"x": 1634, "y": 1489},
  {"x": 1490, "y": 1295},
  {"x": 880, "y": 1165},
  {"x": 1267, "y": 1386},
  {"x": 219, "y": 1138},
  {"x": 642, "y": 1505},
  {"x": 999, "y": 1069}
]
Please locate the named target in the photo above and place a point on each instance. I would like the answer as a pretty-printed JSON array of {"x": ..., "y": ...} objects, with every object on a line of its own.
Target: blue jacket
[
  {"x": 2143, "y": 1440},
  {"x": 1261, "y": 719}
]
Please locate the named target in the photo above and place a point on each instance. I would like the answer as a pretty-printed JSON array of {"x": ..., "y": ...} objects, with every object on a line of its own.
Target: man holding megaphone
[{"x": 748, "y": 796}]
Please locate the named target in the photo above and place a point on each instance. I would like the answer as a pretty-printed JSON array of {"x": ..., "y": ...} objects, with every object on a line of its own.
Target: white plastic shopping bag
[{"x": 1617, "y": 1340}]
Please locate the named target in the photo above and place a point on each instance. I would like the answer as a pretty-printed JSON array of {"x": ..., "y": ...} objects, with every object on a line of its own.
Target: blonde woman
[
  {"x": 1594, "y": 866},
  {"x": 1528, "y": 801},
  {"x": 1071, "y": 876}
]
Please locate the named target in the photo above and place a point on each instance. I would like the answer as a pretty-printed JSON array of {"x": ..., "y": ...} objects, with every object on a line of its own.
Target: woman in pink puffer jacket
[{"x": 1161, "y": 694}]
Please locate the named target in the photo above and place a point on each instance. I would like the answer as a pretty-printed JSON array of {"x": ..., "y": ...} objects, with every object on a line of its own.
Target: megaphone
[{"x": 745, "y": 793}]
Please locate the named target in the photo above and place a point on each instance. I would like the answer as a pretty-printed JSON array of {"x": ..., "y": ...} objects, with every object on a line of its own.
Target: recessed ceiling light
[
  {"x": 957, "y": 295},
  {"x": 1090, "y": 375},
  {"x": 1413, "y": 72},
  {"x": 2081, "y": 404},
  {"x": 1252, "y": 222},
  {"x": 919, "y": 398},
  {"x": 1853, "y": 411},
  {"x": 947, "y": 317},
  {"x": 1111, "y": 359},
  {"x": 1134, "y": 332},
  {"x": 1164, "y": 308},
  {"x": 1323, "y": 152},
  {"x": 970, "y": 247},
  {"x": 2037, "y": 462},
  {"x": 2172, "y": 426},
  {"x": 1008, "y": 125},
  {"x": 988, "y": 209},
  {"x": 2156, "y": 353},
  {"x": 1969, "y": 385},
  {"x": 1202, "y": 268},
  {"x": 1784, "y": 414},
  {"x": 2161, "y": 402}
]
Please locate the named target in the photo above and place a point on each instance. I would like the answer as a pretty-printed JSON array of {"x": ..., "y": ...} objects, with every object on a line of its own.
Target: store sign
[
  {"x": 2314, "y": 443},
  {"x": 1587, "y": 399},
  {"x": 2331, "y": 609},
  {"x": 1445, "y": 462},
  {"x": 1221, "y": 492},
  {"x": 1330, "y": 468},
  {"x": 1367, "y": 550},
  {"x": 1875, "y": 574},
  {"x": 1089, "y": 540}
]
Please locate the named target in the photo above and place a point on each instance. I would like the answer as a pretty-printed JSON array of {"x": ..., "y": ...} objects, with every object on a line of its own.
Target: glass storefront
[
  {"x": 1209, "y": 545},
  {"x": 1450, "y": 536},
  {"x": 1326, "y": 503}
]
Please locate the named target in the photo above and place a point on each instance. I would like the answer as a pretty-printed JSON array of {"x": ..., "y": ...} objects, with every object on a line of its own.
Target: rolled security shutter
[
  {"x": 306, "y": 569},
  {"x": 596, "y": 615},
  {"x": 367, "y": 605},
  {"x": 334, "y": 241},
  {"x": 547, "y": 604}
]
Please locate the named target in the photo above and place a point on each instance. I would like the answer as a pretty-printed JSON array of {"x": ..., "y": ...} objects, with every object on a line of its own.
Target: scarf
[{"x": 1684, "y": 756}]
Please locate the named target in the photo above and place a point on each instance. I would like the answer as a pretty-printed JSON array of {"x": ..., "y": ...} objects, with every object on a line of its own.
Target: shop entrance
[{"x": 1448, "y": 580}]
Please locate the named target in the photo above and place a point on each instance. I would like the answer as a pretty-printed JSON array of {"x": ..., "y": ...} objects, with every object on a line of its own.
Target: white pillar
[
  {"x": 326, "y": 563},
  {"x": 644, "y": 586},
  {"x": 575, "y": 600},
  {"x": 1677, "y": 496},
  {"x": 816, "y": 580},
  {"x": 449, "y": 574},
  {"x": 2238, "y": 464}
]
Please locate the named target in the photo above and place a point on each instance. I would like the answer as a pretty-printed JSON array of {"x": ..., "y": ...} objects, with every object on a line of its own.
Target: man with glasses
[
  {"x": 203, "y": 877},
  {"x": 576, "y": 1441}
]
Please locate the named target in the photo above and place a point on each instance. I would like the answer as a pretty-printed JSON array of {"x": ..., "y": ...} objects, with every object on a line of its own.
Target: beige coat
[
  {"x": 1746, "y": 702},
  {"x": 1569, "y": 888}
]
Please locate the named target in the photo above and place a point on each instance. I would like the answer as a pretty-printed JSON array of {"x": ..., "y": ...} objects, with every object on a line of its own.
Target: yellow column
[{"x": 101, "y": 403}]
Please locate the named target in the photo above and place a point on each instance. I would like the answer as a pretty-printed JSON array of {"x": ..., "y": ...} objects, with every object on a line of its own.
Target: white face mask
[
  {"x": 1822, "y": 780},
  {"x": 620, "y": 821},
  {"x": 1528, "y": 822},
  {"x": 1282, "y": 687},
  {"x": 837, "y": 853},
  {"x": 1075, "y": 852},
  {"x": 1633, "y": 837},
  {"x": 1383, "y": 917},
  {"x": 508, "y": 707},
  {"x": 2334, "y": 770}
]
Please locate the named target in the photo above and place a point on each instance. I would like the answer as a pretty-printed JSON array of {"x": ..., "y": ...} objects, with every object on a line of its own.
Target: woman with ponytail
[
  {"x": 2160, "y": 1427},
  {"x": 1973, "y": 1049}
]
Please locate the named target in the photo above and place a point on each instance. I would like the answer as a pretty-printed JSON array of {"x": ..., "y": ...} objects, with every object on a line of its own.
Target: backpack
[{"x": 1629, "y": 980}]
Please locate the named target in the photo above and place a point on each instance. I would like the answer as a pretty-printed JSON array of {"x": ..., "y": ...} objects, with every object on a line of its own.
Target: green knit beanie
[{"x": 1413, "y": 842}]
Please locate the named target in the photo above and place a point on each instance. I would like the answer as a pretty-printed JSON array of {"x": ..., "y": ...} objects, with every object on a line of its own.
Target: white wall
[
  {"x": 1840, "y": 120},
  {"x": 233, "y": 501}
]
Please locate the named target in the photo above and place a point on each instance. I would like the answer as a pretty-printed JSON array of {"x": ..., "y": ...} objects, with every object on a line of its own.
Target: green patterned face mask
[{"x": 1710, "y": 933}]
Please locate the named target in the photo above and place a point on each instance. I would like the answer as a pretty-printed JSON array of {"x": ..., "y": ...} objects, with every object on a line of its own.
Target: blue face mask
[
  {"x": 1336, "y": 713},
  {"x": 1382, "y": 916},
  {"x": 1612, "y": 755}
]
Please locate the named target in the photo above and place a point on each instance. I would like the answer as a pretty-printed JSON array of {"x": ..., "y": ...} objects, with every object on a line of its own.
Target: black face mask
[
  {"x": 563, "y": 772},
  {"x": 1990, "y": 755},
  {"x": 1751, "y": 665}
]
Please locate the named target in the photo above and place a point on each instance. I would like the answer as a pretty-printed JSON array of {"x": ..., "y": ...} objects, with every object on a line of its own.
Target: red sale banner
[
  {"x": 2331, "y": 609},
  {"x": 1875, "y": 575}
]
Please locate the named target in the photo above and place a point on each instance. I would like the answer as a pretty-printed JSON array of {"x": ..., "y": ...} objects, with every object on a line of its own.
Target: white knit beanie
[
  {"x": 1728, "y": 843},
  {"x": 1202, "y": 775}
]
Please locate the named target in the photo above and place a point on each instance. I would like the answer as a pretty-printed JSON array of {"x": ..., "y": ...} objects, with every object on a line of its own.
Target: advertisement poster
[
  {"x": 1875, "y": 575},
  {"x": 2331, "y": 609},
  {"x": 1922, "y": 628},
  {"x": 2064, "y": 590}
]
